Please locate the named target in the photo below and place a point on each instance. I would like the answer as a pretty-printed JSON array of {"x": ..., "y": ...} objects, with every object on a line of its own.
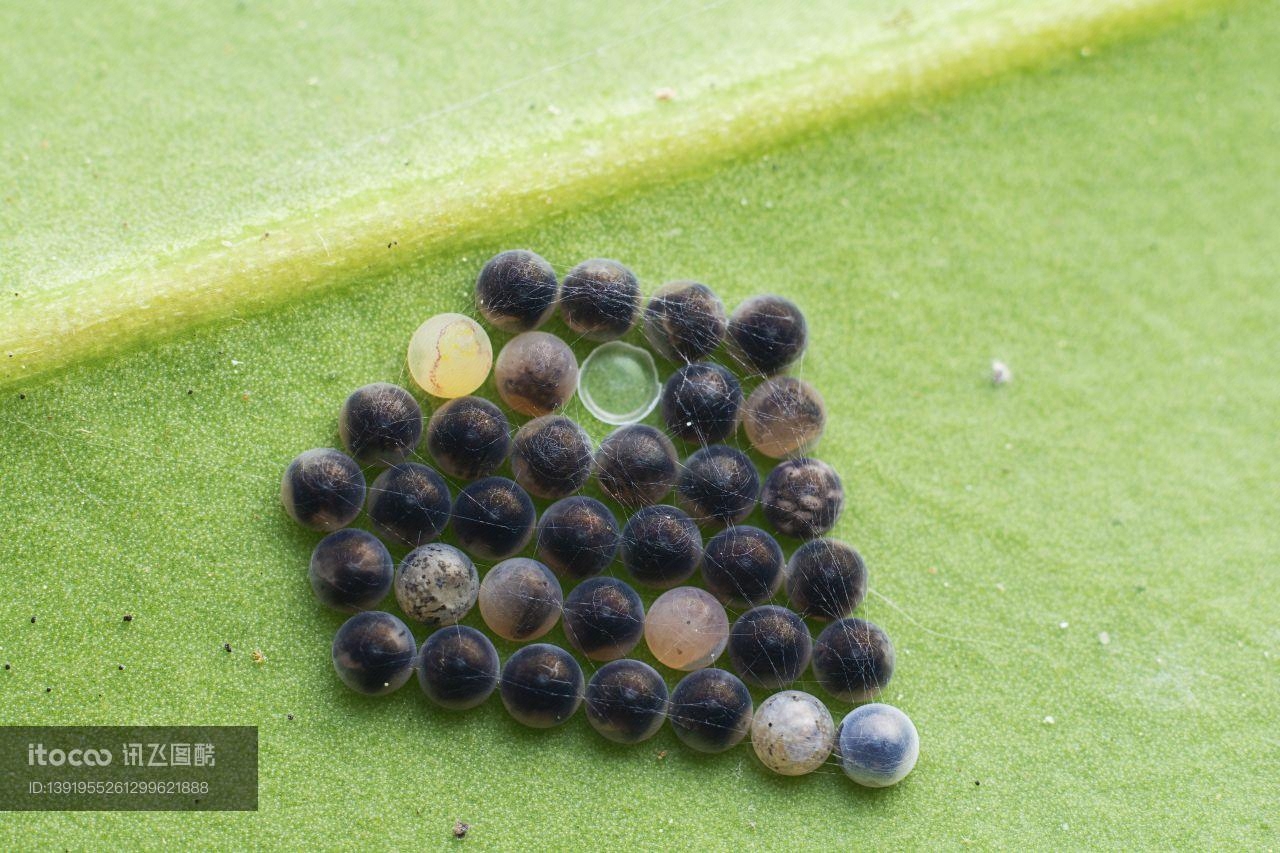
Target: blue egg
[{"x": 877, "y": 745}]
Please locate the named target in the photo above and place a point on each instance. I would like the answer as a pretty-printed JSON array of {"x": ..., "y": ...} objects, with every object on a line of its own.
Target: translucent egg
[
  {"x": 686, "y": 628},
  {"x": 536, "y": 373},
  {"x": 450, "y": 355},
  {"x": 877, "y": 745},
  {"x": 783, "y": 416},
  {"x": 619, "y": 383}
]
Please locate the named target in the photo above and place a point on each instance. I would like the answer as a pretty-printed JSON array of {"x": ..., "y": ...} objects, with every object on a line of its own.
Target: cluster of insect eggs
[{"x": 520, "y": 599}]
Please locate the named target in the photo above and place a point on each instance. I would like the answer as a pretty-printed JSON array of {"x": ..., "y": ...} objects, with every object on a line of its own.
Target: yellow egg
[{"x": 450, "y": 355}]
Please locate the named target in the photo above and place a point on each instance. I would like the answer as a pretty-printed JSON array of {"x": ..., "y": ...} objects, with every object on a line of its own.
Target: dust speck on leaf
[{"x": 1001, "y": 373}]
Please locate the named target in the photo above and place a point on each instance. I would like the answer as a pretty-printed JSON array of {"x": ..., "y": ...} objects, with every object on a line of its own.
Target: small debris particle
[
  {"x": 999, "y": 587},
  {"x": 460, "y": 829},
  {"x": 665, "y": 93},
  {"x": 1064, "y": 625},
  {"x": 258, "y": 656},
  {"x": 553, "y": 109},
  {"x": 662, "y": 754},
  {"x": 1049, "y": 721},
  {"x": 1001, "y": 374},
  {"x": 235, "y": 362},
  {"x": 1086, "y": 51},
  {"x": 226, "y": 647},
  {"x": 1104, "y": 638},
  {"x": 128, "y": 617},
  {"x": 933, "y": 570}
]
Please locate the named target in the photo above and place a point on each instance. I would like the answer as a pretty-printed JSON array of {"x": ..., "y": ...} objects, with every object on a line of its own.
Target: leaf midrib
[{"x": 296, "y": 257}]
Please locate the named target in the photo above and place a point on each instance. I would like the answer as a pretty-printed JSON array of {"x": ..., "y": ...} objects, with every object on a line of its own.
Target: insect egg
[
  {"x": 684, "y": 321},
  {"x": 468, "y": 437},
  {"x": 516, "y": 290},
  {"x": 783, "y": 416},
  {"x": 551, "y": 456},
  {"x": 380, "y": 424},
  {"x": 323, "y": 489},
  {"x": 450, "y": 355},
  {"x": 350, "y": 570},
  {"x": 373, "y": 653},
  {"x": 600, "y": 299},
  {"x": 536, "y": 373},
  {"x": 768, "y": 333},
  {"x": 792, "y": 733},
  {"x": 878, "y": 745},
  {"x": 710, "y": 710}
]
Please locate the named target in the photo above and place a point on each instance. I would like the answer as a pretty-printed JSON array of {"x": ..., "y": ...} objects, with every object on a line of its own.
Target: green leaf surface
[{"x": 1103, "y": 222}]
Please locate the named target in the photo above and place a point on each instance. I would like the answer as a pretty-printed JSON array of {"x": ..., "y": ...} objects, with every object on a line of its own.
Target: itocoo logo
[{"x": 37, "y": 755}]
